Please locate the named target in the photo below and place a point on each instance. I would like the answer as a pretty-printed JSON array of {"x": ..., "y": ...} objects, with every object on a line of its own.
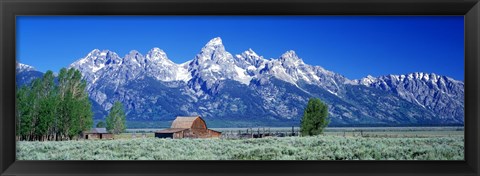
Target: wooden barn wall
[
  {"x": 91, "y": 136},
  {"x": 200, "y": 133},
  {"x": 107, "y": 136},
  {"x": 178, "y": 135},
  {"x": 98, "y": 136},
  {"x": 214, "y": 134}
]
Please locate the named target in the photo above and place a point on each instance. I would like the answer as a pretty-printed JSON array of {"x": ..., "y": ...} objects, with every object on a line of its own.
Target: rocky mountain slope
[{"x": 248, "y": 90}]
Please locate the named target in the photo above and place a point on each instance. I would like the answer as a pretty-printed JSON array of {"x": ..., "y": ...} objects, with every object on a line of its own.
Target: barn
[
  {"x": 188, "y": 127},
  {"x": 97, "y": 133}
]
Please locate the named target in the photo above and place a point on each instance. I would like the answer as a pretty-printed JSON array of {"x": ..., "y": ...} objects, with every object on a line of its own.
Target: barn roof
[
  {"x": 98, "y": 130},
  {"x": 185, "y": 121},
  {"x": 171, "y": 130}
]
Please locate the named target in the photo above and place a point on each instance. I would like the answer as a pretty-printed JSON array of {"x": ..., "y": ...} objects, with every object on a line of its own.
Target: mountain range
[{"x": 246, "y": 90}]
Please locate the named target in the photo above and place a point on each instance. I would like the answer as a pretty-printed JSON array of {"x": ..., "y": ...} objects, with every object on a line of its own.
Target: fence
[{"x": 259, "y": 133}]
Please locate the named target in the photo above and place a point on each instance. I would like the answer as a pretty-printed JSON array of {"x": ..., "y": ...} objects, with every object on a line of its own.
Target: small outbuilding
[
  {"x": 188, "y": 127},
  {"x": 97, "y": 133}
]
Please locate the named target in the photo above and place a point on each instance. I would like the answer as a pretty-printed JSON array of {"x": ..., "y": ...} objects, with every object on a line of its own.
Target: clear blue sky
[{"x": 353, "y": 46}]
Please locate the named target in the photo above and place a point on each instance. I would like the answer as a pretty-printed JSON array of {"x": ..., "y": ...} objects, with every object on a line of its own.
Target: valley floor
[{"x": 325, "y": 147}]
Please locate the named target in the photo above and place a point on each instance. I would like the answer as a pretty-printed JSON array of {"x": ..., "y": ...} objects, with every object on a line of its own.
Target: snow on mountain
[
  {"x": 217, "y": 83},
  {"x": 429, "y": 90},
  {"x": 26, "y": 74},
  {"x": 155, "y": 64},
  {"x": 94, "y": 62},
  {"x": 291, "y": 68},
  {"x": 24, "y": 67},
  {"x": 415, "y": 81},
  {"x": 160, "y": 67},
  {"x": 250, "y": 61},
  {"x": 211, "y": 65},
  {"x": 214, "y": 64},
  {"x": 366, "y": 81}
]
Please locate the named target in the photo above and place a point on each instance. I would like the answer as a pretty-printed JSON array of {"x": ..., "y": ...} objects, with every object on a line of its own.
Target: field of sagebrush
[{"x": 286, "y": 148}]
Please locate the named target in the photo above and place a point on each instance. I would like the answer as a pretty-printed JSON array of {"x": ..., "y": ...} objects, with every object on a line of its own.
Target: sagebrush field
[{"x": 286, "y": 148}]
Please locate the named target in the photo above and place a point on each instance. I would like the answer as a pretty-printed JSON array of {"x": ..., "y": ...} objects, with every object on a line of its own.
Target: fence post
[{"x": 293, "y": 132}]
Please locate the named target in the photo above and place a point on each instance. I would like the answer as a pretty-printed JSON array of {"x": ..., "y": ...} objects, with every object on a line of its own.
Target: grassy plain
[{"x": 333, "y": 145}]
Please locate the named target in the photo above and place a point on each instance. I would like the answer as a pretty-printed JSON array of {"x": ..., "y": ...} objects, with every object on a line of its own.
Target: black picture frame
[{"x": 11, "y": 8}]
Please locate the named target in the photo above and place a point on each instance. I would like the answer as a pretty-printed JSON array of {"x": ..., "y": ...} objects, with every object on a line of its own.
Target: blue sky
[{"x": 354, "y": 46}]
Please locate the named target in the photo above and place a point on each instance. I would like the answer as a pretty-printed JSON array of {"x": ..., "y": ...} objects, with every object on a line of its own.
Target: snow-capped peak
[
  {"x": 290, "y": 54},
  {"x": 96, "y": 52},
  {"x": 250, "y": 60},
  {"x": 134, "y": 57},
  {"x": 156, "y": 49},
  {"x": 24, "y": 67},
  {"x": 250, "y": 52},
  {"x": 214, "y": 64},
  {"x": 369, "y": 79},
  {"x": 93, "y": 52},
  {"x": 291, "y": 68},
  {"x": 423, "y": 76},
  {"x": 134, "y": 54},
  {"x": 213, "y": 52},
  {"x": 290, "y": 60},
  {"x": 157, "y": 55},
  {"x": 96, "y": 60},
  {"x": 290, "y": 57},
  {"x": 215, "y": 42}
]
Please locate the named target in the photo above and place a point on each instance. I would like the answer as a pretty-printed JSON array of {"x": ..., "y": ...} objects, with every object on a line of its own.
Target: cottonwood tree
[
  {"x": 47, "y": 110},
  {"x": 47, "y": 103},
  {"x": 116, "y": 119},
  {"x": 35, "y": 108},
  {"x": 23, "y": 112},
  {"x": 75, "y": 113}
]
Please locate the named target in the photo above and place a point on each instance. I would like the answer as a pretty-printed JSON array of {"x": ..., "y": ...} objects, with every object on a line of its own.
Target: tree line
[{"x": 53, "y": 109}]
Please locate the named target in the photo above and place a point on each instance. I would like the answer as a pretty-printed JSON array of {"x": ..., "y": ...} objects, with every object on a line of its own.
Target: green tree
[
  {"x": 47, "y": 106},
  {"x": 74, "y": 110},
  {"x": 116, "y": 119},
  {"x": 315, "y": 118},
  {"x": 101, "y": 124},
  {"x": 23, "y": 110},
  {"x": 33, "y": 115},
  {"x": 46, "y": 110}
]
